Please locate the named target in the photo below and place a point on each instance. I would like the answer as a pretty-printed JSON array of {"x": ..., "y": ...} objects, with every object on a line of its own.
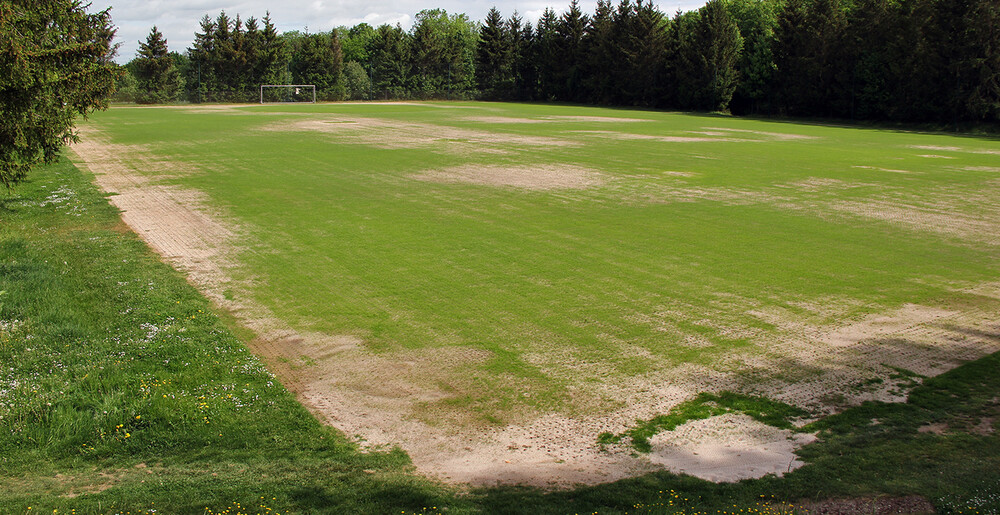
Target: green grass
[
  {"x": 122, "y": 391},
  {"x": 117, "y": 374}
]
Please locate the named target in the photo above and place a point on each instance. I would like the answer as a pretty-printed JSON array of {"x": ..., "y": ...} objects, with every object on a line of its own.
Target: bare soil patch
[
  {"x": 938, "y": 216},
  {"x": 728, "y": 448},
  {"x": 890, "y": 170},
  {"x": 593, "y": 119},
  {"x": 777, "y": 136},
  {"x": 391, "y": 134},
  {"x": 913, "y": 505},
  {"x": 626, "y": 136},
  {"x": 537, "y": 177}
]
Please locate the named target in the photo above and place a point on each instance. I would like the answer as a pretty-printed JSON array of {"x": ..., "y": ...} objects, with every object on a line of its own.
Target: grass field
[
  {"x": 480, "y": 274},
  {"x": 487, "y": 273}
]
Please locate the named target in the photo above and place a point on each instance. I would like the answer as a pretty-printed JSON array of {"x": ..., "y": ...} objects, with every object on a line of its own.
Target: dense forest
[{"x": 905, "y": 60}]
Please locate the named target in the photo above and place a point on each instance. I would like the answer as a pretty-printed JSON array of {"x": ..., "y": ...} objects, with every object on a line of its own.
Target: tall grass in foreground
[{"x": 120, "y": 388}]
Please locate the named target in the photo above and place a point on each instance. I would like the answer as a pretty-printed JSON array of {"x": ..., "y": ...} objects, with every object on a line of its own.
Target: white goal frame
[{"x": 262, "y": 86}]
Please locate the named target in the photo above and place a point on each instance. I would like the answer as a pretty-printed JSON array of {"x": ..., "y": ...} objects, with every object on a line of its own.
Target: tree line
[{"x": 906, "y": 60}]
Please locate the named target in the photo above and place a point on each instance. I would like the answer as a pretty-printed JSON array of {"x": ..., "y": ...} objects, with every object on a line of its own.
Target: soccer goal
[{"x": 287, "y": 93}]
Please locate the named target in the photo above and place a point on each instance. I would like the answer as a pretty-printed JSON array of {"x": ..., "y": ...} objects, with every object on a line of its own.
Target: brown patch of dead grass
[
  {"x": 532, "y": 177},
  {"x": 392, "y": 134}
]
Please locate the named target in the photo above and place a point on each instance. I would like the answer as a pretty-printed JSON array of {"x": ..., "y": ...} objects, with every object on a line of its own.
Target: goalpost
[{"x": 287, "y": 93}]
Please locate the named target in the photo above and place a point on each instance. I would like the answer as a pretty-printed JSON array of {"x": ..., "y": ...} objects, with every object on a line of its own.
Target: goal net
[{"x": 287, "y": 93}]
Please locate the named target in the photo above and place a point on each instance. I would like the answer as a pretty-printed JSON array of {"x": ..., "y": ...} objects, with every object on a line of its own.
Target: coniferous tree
[
  {"x": 569, "y": 67},
  {"x": 57, "y": 64},
  {"x": 546, "y": 53},
  {"x": 708, "y": 51},
  {"x": 443, "y": 49},
  {"x": 494, "y": 58},
  {"x": 644, "y": 55},
  {"x": 389, "y": 52},
  {"x": 201, "y": 77},
  {"x": 810, "y": 73},
  {"x": 156, "y": 73},
  {"x": 520, "y": 38},
  {"x": 317, "y": 59}
]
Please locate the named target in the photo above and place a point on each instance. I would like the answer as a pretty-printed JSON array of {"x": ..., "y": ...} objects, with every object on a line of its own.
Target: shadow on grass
[{"x": 872, "y": 450}]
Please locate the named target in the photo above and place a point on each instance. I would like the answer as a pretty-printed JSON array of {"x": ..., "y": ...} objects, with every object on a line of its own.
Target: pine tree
[
  {"x": 546, "y": 53},
  {"x": 318, "y": 60},
  {"x": 708, "y": 50},
  {"x": 570, "y": 66},
  {"x": 390, "y": 61},
  {"x": 158, "y": 77},
  {"x": 493, "y": 58}
]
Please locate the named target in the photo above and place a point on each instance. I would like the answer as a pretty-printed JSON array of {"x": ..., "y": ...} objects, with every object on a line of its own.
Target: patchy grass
[{"x": 691, "y": 227}]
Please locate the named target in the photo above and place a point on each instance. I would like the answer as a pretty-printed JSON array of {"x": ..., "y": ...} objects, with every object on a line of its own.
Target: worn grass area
[
  {"x": 705, "y": 405},
  {"x": 645, "y": 240},
  {"x": 121, "y": 392}
]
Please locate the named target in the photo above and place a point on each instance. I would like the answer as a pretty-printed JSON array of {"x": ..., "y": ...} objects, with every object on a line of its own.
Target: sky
[{"x": 178, "y": 19}]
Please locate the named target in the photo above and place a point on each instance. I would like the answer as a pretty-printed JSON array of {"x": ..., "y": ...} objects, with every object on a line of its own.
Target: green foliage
[
  {"x": 494, "y": 58},
  {"x": 390, "y": 57},
  {"x": 708, "y": 53},
  {"x": 317, "y": 59},
  {"x": 55, "y": 65},
  {"x": 443, "y": 50},
  {"x": 126, "y": 87},
  {"x": 756, "y": 20},
  {"x": 230, "y": 59},
  {"x": 356, "y": 81},
  {"x": 158, "y": 78}
]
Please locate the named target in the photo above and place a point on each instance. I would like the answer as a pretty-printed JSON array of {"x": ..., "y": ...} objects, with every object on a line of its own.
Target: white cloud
[{"x": 178, "y": 19}]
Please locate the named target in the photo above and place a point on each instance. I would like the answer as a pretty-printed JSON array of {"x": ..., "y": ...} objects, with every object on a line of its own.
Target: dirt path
[{"x": 375, "y": 396}]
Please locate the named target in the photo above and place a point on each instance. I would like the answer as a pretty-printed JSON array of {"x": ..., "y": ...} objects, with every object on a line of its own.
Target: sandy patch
[
  {"x": 594, "y": 119},
  {"x": 982, "y": 168},
  {"x": 934, "y": 156},
  {"x": 890, "y": 170},
  {"x": 908, "y": 316},
  {"x": 939, "y": 217},
  {"x": 626, "y": 136},
  {"x": 815, "y": 184},
  {"x": 936, "y": 147},
  {"x": 553, "y": 119},
  {"x": 391, "y": 134},
  {"x": 728, "y": 448},
  {"x": 502, "y": 119},
  {"x": 777, "y": 136},
  {"x": 535, "y": 177}
]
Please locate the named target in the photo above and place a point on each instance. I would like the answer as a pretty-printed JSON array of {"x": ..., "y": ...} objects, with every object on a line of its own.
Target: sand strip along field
[{"x": 373, "y": 396}]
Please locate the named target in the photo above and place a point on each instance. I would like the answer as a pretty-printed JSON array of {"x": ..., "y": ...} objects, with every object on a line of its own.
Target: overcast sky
[{"x": 178, "y": 19}]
